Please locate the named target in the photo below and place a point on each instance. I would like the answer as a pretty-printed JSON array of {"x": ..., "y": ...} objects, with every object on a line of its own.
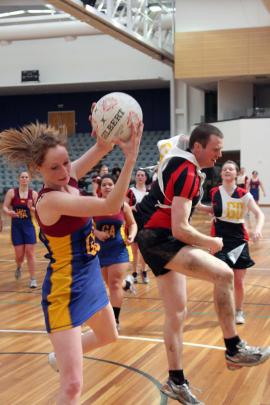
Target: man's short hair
[{"x": 202, "y": 133}]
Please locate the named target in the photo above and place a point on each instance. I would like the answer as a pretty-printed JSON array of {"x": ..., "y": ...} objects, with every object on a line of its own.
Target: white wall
[
  {"x": 255, "y": 147},
  {"x": 206, "y": 15},
  {"x": 95, "y": 58},
  {"x": 195, "y": 105},
  {"x": 252, "y": 138},
  {"x": 232, "y": 134},
  {"x": 234, "y": 99}
]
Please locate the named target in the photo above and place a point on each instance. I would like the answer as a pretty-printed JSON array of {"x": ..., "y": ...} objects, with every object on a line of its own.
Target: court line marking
[
  {"x": 163, "y": 397},
  {"x": 123, "y": 337},
  {"x": 12, "y": 260},
  {"x": 48, "y": 261}
]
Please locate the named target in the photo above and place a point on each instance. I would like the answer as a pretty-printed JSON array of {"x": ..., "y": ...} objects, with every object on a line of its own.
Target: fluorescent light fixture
[
  {"x": 154, "y": 8},
  {"x": 40, "y": 11},
  {"x": 50, "y": 6},
  {"x": 11, "y": 13},
  {"x": 70, "y": 38}
]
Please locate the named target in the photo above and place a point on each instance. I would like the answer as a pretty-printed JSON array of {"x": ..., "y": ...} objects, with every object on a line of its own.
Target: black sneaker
[
  {"x": 135, "y": 277},
  {"x": 145, "y": 278},
  {"x": 247, "y": 356},
  {"x": 181, "y": 392}
]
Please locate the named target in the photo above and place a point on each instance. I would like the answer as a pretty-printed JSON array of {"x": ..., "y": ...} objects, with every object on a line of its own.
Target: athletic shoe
[
  {"x": 130, "y": 284},
  {"x": 33, "y": 283},
  {"x": 145, "y": 278},
  {"x": 52, "y": 361},
  {"x": 239, "y": 318},
  {"x": 181, "y": 392},
  {"x": 18, "y": 273},
  {"x": 135, "y": 277},
  {"x": 247, "y": 356}
]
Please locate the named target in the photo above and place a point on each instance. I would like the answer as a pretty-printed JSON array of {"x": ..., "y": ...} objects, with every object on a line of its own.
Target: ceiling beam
[
  {"x": 267, "y": 4},
  {"x": 113, "y": 28}
]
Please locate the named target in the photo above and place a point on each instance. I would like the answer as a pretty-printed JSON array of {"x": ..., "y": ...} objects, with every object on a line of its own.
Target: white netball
[{"x": 113, "y": 114}]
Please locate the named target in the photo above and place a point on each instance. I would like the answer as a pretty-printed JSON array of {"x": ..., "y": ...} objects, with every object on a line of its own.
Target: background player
[
  {"x": 19, "y": 205},
  {"x": 115, "y": 254},
  {"x": 230, "y": 204}
]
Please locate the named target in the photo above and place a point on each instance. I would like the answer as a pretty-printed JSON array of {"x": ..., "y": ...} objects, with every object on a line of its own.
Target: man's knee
[{"x": 225, "y": 274}]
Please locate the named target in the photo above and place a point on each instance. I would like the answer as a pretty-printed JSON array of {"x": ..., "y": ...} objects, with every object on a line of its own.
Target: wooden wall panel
[
  {"x": 259, "y": 57},
  {"x": 222, "y": 53}
]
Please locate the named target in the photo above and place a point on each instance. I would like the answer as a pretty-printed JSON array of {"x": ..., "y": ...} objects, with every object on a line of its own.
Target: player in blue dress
[
  {"x": 115, "y": 233},
  {"x": 19, "y": 205},
  {"x": 254, "y": 186},
  {"x": 73, "y": 291}
]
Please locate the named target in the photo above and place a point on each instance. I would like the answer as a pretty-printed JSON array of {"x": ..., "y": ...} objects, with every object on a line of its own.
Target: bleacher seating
[{"x": 81, "y": 142}]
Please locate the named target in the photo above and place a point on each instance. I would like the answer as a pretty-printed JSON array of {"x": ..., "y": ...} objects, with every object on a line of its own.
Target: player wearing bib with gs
[
  {"x": 73, "y": 290},
  {"x": 19, "y": 204},
  {"x": 230, "y": 205},
  {"x": 115, "y": 253}
]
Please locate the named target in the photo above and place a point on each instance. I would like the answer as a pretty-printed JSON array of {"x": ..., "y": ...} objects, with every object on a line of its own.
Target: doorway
[{"x": 62, "y": 120}]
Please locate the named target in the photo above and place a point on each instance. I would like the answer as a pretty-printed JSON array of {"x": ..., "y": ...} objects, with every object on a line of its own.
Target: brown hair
[
  {"x": 232, "y": 163},
  {"x": 202, "y": 133},
  {"x": 29, "y": 144}
]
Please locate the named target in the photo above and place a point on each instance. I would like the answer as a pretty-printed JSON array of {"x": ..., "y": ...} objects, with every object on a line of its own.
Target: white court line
[
  {"x": 39, "y": 332},
  {"x": 162, "y": 341},
  {"x": 47, "y": 261},
  {"x": 13, "y": 260},
  {"x": 144, "y": 339}
]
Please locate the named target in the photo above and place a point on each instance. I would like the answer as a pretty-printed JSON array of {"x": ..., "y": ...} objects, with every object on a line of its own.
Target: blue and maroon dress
[
  {"x": 73, "y": 289},
  {"x": 114, "y": 250},
  {"x": 23, "y": 230}
]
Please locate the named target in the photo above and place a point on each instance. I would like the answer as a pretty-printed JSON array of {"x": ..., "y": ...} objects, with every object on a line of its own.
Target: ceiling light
[
  {"x": 154, "y": 8},
  {"x": 40, "y": 11},
  {"x": 50, "y": 6},
  {"x": 11, "y": 13},
  {"x": 70, "y": 38}
]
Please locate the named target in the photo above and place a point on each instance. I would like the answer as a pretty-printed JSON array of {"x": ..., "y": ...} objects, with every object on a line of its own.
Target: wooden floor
[{"x": 130, "y": 371}]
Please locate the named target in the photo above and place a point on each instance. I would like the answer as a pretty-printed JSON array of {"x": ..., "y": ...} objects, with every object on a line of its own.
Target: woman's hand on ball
[
  {"x": 101, "y": 144},
  {"x": 131, "y": 147}
]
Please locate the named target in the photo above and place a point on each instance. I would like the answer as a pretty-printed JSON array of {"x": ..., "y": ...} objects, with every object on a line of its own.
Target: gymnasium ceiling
[
  {"x": 38, "y": 19},
  {"x": 35, "y": 19}
]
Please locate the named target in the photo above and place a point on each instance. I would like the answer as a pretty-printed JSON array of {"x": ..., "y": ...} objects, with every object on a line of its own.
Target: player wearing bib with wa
[
  {"x": 19, "y": 204},
  {"x": 115, "y": 253},
  {"x": 230, "y": 205}
]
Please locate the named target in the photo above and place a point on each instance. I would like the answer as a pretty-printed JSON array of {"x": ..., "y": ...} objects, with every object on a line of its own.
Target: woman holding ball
[{"x": 73, "y": 290}]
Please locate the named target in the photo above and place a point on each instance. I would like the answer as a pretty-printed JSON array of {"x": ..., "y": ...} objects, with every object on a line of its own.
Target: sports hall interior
[{"x": 185, "y": 62}]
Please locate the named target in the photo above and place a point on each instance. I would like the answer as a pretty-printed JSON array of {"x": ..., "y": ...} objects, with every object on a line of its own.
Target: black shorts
[
  {"x": 243, "y": 261},
  {"x": 158, "y": 247}
]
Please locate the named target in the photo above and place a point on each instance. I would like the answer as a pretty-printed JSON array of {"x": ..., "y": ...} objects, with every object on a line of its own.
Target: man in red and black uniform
[{"x": 173, "y": 249}]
